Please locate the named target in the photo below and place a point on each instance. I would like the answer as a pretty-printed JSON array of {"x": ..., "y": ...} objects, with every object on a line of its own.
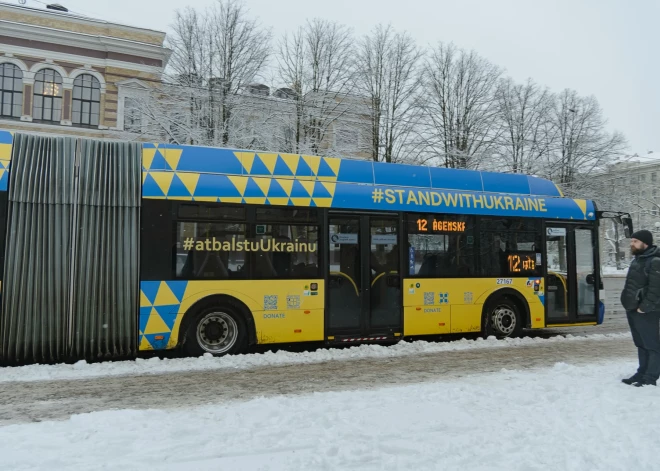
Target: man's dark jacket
[{"x": 642, "y": 288}]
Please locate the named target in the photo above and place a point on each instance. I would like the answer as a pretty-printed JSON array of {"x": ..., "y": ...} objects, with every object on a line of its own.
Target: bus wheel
[
  {"x": 217, "y": 330},
  {"x": 503, "y": 318}
]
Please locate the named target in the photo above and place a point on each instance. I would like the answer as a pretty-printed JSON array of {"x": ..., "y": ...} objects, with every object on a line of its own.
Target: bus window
[
  {"x": 510, "y": 247},
  {"x": 212, "y": 251},
  {"x": 441, "y": 246},
  {"x": 587, "y": 293},
  {"x": 345, "y": 250},
  {"x": 384, "y": 257},
  {"x": 292, "y": 251}
]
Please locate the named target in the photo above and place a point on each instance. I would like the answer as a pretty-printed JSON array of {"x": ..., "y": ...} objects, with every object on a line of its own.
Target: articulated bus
[{"x": 109, "y": 249}]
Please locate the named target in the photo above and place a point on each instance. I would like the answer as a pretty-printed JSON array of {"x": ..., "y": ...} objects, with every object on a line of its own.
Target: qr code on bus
[
  {"x": 293, "y": 301},
  {"x": 429, "y": 298},
  {"x": 270, "y": 302}
]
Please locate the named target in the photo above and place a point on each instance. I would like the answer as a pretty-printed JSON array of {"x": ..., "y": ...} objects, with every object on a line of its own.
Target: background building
[
  {"x": 68, "y": 74},
  {"x": 633, "y": 186}
]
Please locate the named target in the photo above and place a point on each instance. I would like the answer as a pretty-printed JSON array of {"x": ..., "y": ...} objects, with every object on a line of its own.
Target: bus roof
[
  {"x": 197, "y": 173},
  {"x": 263, "y": 164},
  {"x": 252, "y": 177}
]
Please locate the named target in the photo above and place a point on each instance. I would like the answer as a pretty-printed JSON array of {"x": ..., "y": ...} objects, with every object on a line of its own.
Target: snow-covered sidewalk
[
  {"x": 615, "y": 271},
  {"x": 564, "y": 418},
  {"x": 83, "y": 369}
]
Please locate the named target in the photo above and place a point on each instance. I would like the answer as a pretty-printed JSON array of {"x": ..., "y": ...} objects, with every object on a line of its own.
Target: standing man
[{"x": 641, "y": 300}]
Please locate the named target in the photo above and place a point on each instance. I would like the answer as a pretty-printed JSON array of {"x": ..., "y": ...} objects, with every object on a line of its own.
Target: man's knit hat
[{"x": 643, "y": 235}]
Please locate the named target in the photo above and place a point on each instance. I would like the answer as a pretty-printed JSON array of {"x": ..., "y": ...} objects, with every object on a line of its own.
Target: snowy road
[{"x": 55, "y": 400}]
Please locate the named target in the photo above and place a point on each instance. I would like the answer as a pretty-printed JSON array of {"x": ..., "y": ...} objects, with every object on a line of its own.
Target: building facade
[
  {"x": 68, "y": 74},
  {"x": 270, "y": 118},
  {"x": 632, "y": 186}
]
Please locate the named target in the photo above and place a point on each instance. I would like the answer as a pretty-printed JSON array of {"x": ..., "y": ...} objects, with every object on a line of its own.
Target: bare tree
[
  {"x": 216, "y": 54},
  {"x": 242, "y": 48},
  {"x": 451, "y": 109},
  {"x": 525, "y": 114},
  {"x": 582, "y": 144},
  {"x": 613, "y": 238},
  {"x": 459, "y": 104},
  {"x": 316, "y": 63},
  {"x": 189, "y": 67},
  {"x": 388, "y": 73}
]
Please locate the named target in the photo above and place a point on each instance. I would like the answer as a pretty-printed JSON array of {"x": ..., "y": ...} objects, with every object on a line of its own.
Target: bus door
[
  {"x": 572, "y": 279},
  {"x": 364, "y": 284}
]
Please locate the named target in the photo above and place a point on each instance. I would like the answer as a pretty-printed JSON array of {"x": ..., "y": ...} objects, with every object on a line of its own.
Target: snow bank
[
  {"x": 615, "y": 271},
  {"x": 566, "y": 417},
  {"x": 83, "y": 369}
]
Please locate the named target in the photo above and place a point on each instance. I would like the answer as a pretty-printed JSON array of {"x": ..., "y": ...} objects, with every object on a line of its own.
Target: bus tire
[
  {"x": 503, "y": 317},
  {"x": 218, "y": 329}
]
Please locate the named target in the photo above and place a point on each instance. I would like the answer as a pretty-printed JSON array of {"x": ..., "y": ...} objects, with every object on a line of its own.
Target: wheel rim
[
  {"x": 217, "y": 332},
  {"x": 504, "y": 320}
]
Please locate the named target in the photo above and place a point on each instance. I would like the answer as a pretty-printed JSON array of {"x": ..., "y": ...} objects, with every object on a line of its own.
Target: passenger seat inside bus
[
  {"x": 263, "y": 267},
  {"x": 212, "y": 267}
]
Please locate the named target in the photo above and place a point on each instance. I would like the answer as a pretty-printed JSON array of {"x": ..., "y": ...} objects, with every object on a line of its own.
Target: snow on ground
[
  {"x": 83, "y": 369},
  {"x": 615, "y": 271},
  {"x": 565, "y": 417}
]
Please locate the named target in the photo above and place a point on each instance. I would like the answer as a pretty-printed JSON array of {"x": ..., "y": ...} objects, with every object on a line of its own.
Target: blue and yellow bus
[{"x": 114, "y": 248}]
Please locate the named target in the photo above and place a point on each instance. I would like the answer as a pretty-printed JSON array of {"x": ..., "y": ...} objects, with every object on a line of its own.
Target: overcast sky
[{"x": 606, "y": 48}]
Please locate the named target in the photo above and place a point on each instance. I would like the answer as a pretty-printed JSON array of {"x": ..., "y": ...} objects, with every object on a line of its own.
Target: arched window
[
  {"x": 86, "y": 100},
  {"x": 47, "y": 96},
  {"x": 11, "y": 91}
]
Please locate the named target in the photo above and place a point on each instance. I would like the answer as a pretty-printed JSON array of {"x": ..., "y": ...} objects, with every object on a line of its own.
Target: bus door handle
[
  {"x": 591, "y": 281},
  {"x": 335, "y": 282},
  {"x": 393, "y": 281}
]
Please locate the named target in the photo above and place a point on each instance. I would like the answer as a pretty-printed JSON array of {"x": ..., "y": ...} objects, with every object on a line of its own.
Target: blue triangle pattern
[
  {"x": 325, "y": 170},
  {"x": 4, "y": 181},
  {"x": 320, "y": 191},
  {"x": 312, "y": 204},
  {"x": 177, "y": 188},
  {"x": 151, "y": 188},
  {"x": 178, "y": 288},
  {"x": 303, "y": 169},
  {"x": 252, "y": 190},
  {"x": 258, "y": 167},
  {"x": 281, "y": 168},
  {"x": 215, "y": 186},
  {"x": 144, "y": 317},
  {"x": 150, "y": 290},
  {"x": 168, "y": 314},
  {"x": 5, "y": 137},
  {"x": 159, "y": 162},
  {"x": 276, "y": 190},
  {"x": 299, "y": 191}
]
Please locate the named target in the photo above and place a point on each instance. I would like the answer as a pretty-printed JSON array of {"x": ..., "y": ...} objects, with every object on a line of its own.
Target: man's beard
[{"x": 636, "y": 251}]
